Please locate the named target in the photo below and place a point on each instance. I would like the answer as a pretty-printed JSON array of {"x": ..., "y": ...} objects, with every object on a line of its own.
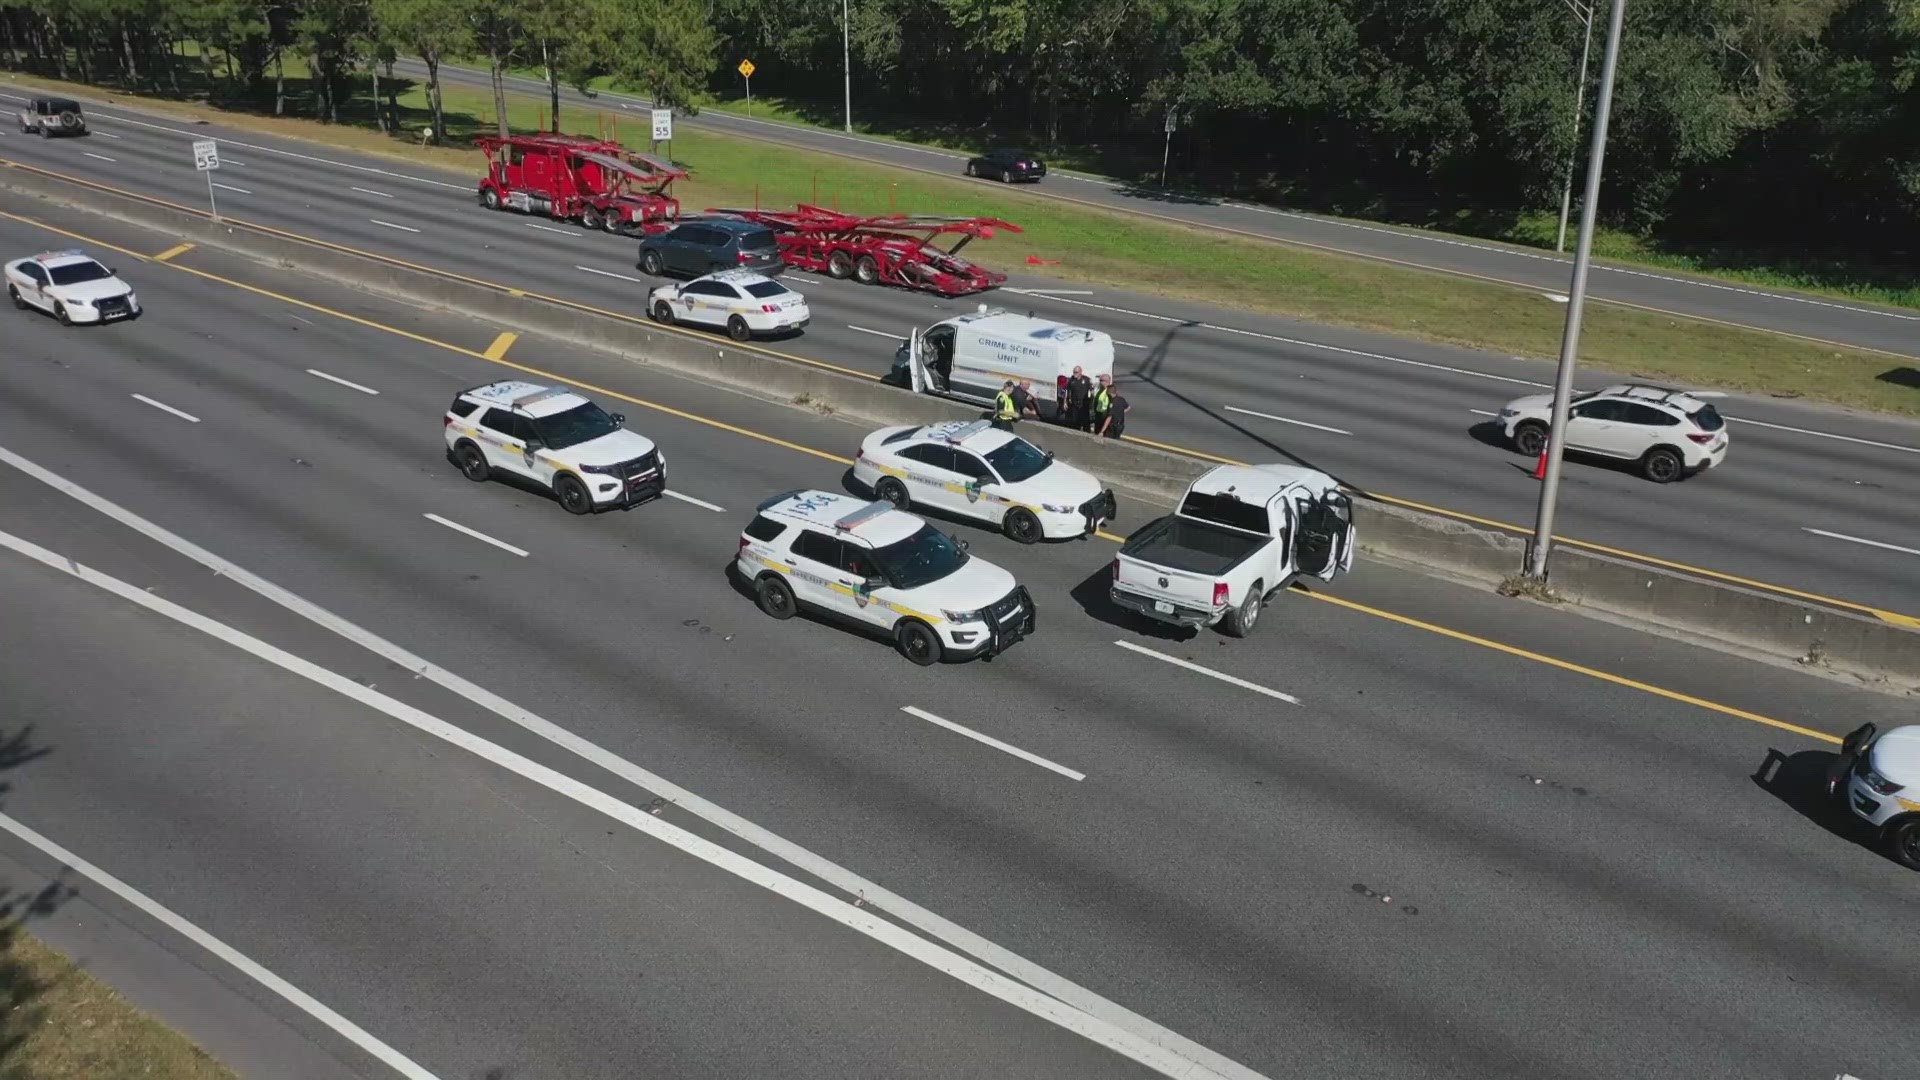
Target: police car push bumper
[
  {"x": 991, "y": 630},
  {"x": 613, "y": 487}
]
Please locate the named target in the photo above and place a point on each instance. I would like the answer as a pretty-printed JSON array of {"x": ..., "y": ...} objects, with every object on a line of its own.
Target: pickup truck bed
[{"x": 1193, "y": 546}]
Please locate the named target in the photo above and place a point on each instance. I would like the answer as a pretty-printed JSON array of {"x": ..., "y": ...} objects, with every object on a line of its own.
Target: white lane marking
[
  {"x": 1208, "y": 1062},
  {"x": 106, "y": 134},
  {"x": 391, "y": 225},
  {"x": 341, "y": 381},
  {"x": 993, "y": 742},
  {"x": 549, "y": 228},
  {"x": 370, "y": 191},
  {"x": 1129, "y": 344},
  {"x": 1222, "y": 676},
  {"x": 1049, "y": 292},
  {"x": 102, "y": 157},
  {"x": 609, "y": 273},
  {"x": 476, "y": 534},
  {"x": 1483, "y": 412},
  {"x": 1557, "y": 298},
  {"x": 1858, "y": 540},
  {"x": 303, "y": 319},
  {"x": 1826, "y": 435},
  {"x": 875, "y": 333},
  {"x": 239, "y": 961},
  {"x": 862, "y": 920},
  {"x": 231, "y": 161},
  {"x": 1284, "y": 420},
  {"x": 230, "y": 187},
  {"x": 672, "y": 494},
  {"x": 164, "y": 407}
]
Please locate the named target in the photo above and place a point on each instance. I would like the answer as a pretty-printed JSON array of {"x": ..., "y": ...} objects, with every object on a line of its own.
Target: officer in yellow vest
[
  {"x": 1005, "y": 412},
  {"x": 1102, "y": 402}
]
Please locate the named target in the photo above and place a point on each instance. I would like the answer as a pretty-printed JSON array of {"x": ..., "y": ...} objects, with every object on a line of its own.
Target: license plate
[{"x": 1163, "y": 607}]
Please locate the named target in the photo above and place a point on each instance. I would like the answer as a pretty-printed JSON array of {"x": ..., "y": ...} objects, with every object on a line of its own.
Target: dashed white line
[
  {"x": 1284, "y": 420},
  {"x": 549, "y": 228},
  {"x": 671, "y": 494},
  {"x": 993, "y": 742},
  {"x": 164, "y": 407},
  {"x": 1129, "y": 344},
  {"x": 106, "y": 134},
  {"x": 476, "y": 534},
  {"x": 230, "y": 187},
  {"x": 391, "y": 225},
  {"x": 1049, "y": 292},
  {"x": 609, "y": 273},
  {"x": 1859, "y": 540},
  {"x": 1557, "y": 297},
  {"x": 102, "y": 157},
  {"x": 341, "y": 381},
  {"x": 1826, "y": 435},
  {"x": 370, "y": 191},
  {"x": 1222, "y": 676},
  {"x": 1483, "y": 412},
  {"x": 875, "y": 333}
]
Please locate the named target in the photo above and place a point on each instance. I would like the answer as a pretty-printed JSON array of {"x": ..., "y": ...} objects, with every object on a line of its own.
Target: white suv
[
  {"x": 974, "y": 469},
  {"x": 1670, "y": 433},
  {"x": 556, "y": 439},
  {"x": 874, "y": 566},
  {"x": 72, "y": 286},
  {"x": 745, "y": 303},
  {"x": 1879, "y": 780}
]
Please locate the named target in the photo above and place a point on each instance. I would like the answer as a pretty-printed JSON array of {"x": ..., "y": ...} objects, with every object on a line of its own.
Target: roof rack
[{"x": 863, "y": 515}]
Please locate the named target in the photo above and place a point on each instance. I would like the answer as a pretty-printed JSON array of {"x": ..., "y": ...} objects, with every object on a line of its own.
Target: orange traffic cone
[
  {"x": 1540, "y": 467},
  {"x": 1035, "y": 260}
]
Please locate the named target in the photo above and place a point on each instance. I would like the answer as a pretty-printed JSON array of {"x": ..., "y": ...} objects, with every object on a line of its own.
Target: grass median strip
[{"x": 1103, "y": 248}]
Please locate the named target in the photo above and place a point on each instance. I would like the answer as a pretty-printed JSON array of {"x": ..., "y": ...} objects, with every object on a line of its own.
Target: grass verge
[
  {"x": 1097, "y": 247},
  {"x": 62, "y": 1024}
]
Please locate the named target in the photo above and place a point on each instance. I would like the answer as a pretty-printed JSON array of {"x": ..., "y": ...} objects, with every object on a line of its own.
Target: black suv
[
  {"x": 701, "y": 247},
  {"x": 1007, "y": 166},
  {"x": 52, "y": 116}
]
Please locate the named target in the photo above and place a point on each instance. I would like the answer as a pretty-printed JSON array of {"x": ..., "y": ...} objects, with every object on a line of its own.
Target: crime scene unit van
[{"x": 970, "y": 357}]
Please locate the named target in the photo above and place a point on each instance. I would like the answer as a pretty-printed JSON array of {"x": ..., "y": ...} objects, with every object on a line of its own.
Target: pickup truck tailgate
[{"x": 1164, "y": 583}]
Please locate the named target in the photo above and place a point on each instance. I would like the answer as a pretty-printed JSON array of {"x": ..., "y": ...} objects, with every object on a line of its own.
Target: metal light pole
[
  {"x": 1576, "y": 302},
  {"x": 1585, "y": 13},
  {"x": 846, "y": 60}
]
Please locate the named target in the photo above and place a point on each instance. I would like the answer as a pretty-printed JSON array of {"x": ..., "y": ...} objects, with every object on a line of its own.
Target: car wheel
[
  {"x": 893, "y": 491},
  {"x": 489, "y": 198},
  {"x": 590, "y": 218},
  {"x": 19, "y": 301},
  {"x": 917, "y": 642},
  {"x": 738, "y": 330},
  {"x": 650, "y": 263},
  {"x": 839, "y": 265},
  {"x": 613, "y": 223},
  {"x": 663, "y": 312},
  {"x": 972, "y": 169},
  {"x": 1239, "y": 622},
  {"x": 775, "y": 597},
  {"x": 1661, "y": 465},
  {"x": 473, "y": 463},
  {"x": 1530, "y": 438},
  {"x": 573, "y": 495},
  {"x": 60, "y": 312},
  {"x": 1903, "y": 841},
  {"x": 1021, "y": 526},
  {"x": 867, "y": 270}
]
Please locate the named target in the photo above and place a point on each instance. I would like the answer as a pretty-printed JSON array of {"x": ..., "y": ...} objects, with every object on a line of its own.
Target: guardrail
[{"x": 1885, "y": 655}]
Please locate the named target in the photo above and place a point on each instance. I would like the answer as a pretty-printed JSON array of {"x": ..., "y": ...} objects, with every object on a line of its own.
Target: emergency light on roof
[
  {"x": 962, "y": 432},
  {"x": 69, "y": 253},
  {"x": 538, "y": 396},
  {"x": 863, "y": 515}
]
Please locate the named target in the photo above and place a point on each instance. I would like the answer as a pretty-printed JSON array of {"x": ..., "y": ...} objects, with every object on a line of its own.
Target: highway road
[
  {"x": 1865, "y": 325},
  {"x": 1811, "y": 499},
  {"x": 1409, "y": 829}
]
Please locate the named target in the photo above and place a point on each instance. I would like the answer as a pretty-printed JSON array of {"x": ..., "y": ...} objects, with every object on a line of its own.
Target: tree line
[{"x": 1784, "y": 126}]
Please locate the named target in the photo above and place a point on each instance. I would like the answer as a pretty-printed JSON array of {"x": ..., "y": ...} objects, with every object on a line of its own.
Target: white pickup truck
[{"x": 1241, "y": 534}]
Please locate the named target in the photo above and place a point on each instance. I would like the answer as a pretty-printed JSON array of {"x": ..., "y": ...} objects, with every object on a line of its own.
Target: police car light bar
[
  {"x": 65, "y": 254},
  {"x": 968, "y": 430},
  {"x": 863, "y": 515},
  {"x": 537, "y": 396}
]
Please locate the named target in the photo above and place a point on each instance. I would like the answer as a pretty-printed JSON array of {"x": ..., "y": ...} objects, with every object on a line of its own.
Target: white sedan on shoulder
[
  {"x": 975, "y": 470},
  {"x": 72, "y": 286},
  {"x": 742, "y": 302}
]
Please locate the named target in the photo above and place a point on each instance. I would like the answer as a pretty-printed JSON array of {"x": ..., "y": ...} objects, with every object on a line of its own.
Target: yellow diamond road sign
[{"x": 746, "y": 69}]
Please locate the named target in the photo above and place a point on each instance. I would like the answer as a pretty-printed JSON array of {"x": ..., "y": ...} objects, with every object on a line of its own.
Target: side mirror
[
  {"x": 873, "y": 583},
  {"x": 114, "y": 270},
  {"x": 619, "y": 419}
]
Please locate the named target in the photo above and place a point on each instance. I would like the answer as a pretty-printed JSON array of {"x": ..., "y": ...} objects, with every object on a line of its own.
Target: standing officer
[
  {"x": 1005, "y": 410},
  {"x": 1073, "y": 410},
  {"x": 1102, "y": 403}
]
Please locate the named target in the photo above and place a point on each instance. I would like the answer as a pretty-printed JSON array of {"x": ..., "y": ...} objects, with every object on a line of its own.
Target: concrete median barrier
[{"x": 1880, "y": 650}]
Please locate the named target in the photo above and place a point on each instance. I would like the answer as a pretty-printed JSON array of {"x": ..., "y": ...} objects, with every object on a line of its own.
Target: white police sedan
[
  {"x": 975, "y": 470},
  {"x": 71, "y": 286},
  {"x": 742, "y": 302}
]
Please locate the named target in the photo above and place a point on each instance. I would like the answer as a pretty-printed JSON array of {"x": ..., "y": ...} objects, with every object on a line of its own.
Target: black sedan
[{"x": 1008, "y": 166}]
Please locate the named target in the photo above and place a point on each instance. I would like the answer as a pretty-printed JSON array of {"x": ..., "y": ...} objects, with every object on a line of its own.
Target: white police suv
[
  {"x": 72, "y": 286},
  {"x": 1878, "y": 777},
  {"x": 556, "y": 439},
  {"x": 975, "y": 470},
  {"x": 869, "y": 564},
  {"x": 745, "y": 303}
]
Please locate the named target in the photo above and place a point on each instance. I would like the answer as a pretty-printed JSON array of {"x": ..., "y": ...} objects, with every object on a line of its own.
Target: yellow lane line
[
  {"x": 173, "y": 252},
  {"x": 498, "y": 350},
  {"x": 1893, "y": 617},
  {"x": 1457, "y": 635}
]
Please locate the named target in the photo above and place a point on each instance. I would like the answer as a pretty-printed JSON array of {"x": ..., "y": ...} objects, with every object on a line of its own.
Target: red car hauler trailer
[
  {"x": 600, "y": 184},
  {"x": 897, "y": 249}
]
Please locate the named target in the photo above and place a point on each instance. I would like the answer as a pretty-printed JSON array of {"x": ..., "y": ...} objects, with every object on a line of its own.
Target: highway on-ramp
[
  {"x": 1408, "y": 829},
  {"x": 1811, "y": 500}
]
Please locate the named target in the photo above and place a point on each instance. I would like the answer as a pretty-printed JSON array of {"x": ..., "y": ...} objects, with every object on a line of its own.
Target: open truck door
[
  {"x": 916, "y": 362},
  {"x": 1323, "y": 539}
]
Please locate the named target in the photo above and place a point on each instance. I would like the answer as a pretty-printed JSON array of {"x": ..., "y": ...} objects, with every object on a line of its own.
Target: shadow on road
[
  {"x": 22, "y": 988},
  {"x": 1800, "y": 781},
  {"x": 1092, "y": 594}
]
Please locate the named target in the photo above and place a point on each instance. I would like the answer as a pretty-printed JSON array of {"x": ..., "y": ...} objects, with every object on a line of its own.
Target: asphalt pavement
[
  {"x": 1424, "y": 832},
  {"x": 1811, "y": 499},
  {"x": 1851, "y": 322}
]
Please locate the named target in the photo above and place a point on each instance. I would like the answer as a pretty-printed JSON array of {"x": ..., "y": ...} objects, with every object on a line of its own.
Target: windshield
[
  {"x": 1226, "y": 510},
  {"x": 764, "y": 289},
  {"x": 920, "y": 559},
  {"x": 1018, "y": 460},
  {"x": 75, "y": 273},
  {"x": 582, "y": 423}
]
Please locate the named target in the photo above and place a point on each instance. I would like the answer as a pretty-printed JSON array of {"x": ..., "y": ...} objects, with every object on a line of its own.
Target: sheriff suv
[
  {"x": 873, "y": 566},
  {"x": 1877, "y": 776},
  {"x": 557, "y": 440},
  {"x": 1669, "y": 434},
  {"x": 72, "y": 286},
  {"x": 50, "y": 116},
  {"x": 745, "y": 302},
  {"x": 972, "y": 469}
]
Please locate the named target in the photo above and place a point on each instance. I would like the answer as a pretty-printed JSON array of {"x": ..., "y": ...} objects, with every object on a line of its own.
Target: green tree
[{"x": 433, "y": 30}]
